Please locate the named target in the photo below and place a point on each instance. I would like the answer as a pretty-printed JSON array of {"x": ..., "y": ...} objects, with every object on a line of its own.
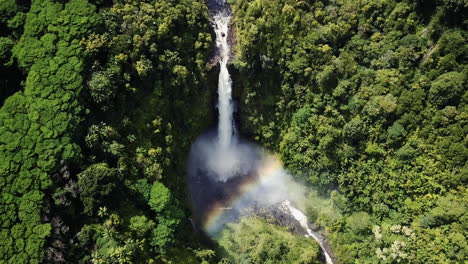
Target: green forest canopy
[
  {"x": 371, "y": 106},
  {"x": 364, "y": 100}
]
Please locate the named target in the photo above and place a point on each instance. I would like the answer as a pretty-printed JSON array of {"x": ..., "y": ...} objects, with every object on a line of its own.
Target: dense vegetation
[
  {"x": 252, "y": 240},
  {"x": 367, "y": 101},
  {"x": 364, "y": 100},
  {"x": 92, "y": 148}
]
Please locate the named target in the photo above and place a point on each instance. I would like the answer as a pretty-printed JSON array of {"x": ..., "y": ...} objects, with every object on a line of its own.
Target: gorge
[{"x": 230, "y": 178}]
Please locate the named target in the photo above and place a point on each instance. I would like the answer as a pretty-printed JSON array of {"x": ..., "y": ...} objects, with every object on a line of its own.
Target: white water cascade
[
  {"x": 226, "y": 125},
  {"x": 228, "y": 158},
  {"x": 302, "y": 219}
]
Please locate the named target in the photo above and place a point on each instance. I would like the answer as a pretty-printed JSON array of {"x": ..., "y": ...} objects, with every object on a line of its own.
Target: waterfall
[
  {"x": 226, "y": 125},
  {"x": 228, "y": 177}
]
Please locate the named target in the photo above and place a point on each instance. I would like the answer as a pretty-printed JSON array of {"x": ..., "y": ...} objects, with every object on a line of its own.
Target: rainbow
[{"x": 225, "y": 211}]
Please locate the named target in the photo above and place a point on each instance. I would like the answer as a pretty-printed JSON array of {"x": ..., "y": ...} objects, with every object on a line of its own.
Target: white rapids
[{"x": 302, "y": 219}]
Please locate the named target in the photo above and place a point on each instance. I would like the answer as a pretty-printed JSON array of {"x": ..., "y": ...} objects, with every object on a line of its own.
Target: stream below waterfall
[{"x": 229, "y": 177}]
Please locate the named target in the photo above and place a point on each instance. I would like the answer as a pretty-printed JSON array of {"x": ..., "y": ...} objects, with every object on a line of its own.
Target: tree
[
  {"x": 447, "y": 89},
  {"x": 160, "y": 197},
  {"x": 359, "y": 222},
  {"x": 96, "y": 184},
  {"x": 103, "y": 86},
  {"x": 141, "y": 225}
]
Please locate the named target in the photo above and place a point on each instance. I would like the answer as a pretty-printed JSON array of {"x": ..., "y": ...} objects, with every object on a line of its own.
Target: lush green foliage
[
  {"x": 96, "y": 183},
  {"x": 124, "y": 72},
  {"x": 36, "y": 125},
  {"x": 100, "y": 101},
  {"x": 12, "y": 16},
  {"x": 148, "y": 68},
  {"x": 371, "y": 103},
  {"x": 253, "y": 240}
]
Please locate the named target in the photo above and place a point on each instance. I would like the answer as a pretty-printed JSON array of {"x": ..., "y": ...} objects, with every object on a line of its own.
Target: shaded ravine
[{"x": 226, "y": 174}]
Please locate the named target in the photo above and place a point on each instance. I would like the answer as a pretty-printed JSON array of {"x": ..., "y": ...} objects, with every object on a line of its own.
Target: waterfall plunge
[
  {"x": 228, "y": 157},
  {"x": 218, "y": 165},
  {"x": 225, "y": 108}
]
